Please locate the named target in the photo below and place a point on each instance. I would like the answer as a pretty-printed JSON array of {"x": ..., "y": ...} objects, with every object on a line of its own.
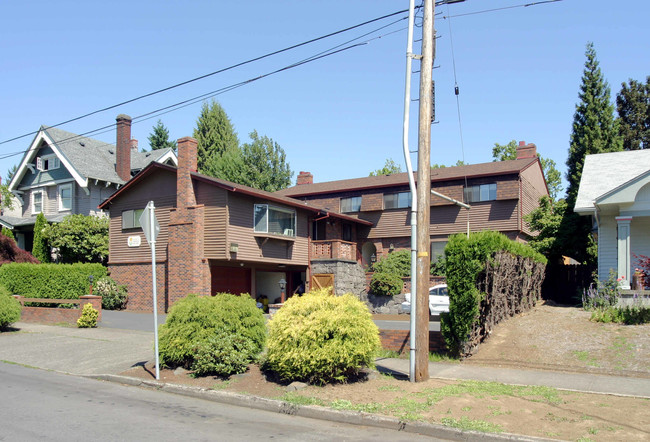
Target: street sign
[{"x": 149, "y": 223}]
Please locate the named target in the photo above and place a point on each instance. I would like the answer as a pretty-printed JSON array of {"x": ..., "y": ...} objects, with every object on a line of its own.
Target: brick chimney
[
  {"x": 187, "y": 163},
  {"x": 123, "y": 147},
  {"x": 526, "y": 150},
  {"x": 304, "y": 178},
  {"x": 134, "y": 145}
]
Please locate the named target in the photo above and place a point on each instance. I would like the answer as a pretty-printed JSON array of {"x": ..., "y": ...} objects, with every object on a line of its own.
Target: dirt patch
[{"x": 548, "y": 337}]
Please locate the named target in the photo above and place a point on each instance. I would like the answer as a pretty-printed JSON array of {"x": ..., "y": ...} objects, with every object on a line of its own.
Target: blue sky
[{"x": 339, "y": 117}]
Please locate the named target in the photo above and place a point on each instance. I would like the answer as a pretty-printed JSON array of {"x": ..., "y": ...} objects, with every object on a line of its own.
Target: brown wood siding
[
  {"x": 252, "y": 248},
  {"x": 160, "y": 188},
  {"x": 533, "y": 186},
  {"x": 215, "y": 201}
]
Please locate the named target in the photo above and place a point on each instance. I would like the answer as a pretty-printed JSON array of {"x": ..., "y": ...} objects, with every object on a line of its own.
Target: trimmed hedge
[
  {"x": 319, "y": 338},
  {"x": 398, "y": 263},
  {"x": 217, "y": 335},
  {"x": 466, "y": 262},
  {"x": 51, "y": 281},
  {"x": 10, "y": 308},
  {"x": 387, "y": 284}
]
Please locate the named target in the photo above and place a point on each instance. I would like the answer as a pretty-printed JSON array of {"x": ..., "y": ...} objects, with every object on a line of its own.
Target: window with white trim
[
  {"x": 398, "y": 200},
  {"x": 131, "y": 219},
  {"x": 65, "y": 197},
  {"x": 352, "y": 204},
  {"x": 37, "y": 201},
  {"x": 483, "y": 192},
  {"x": 48, "y": 162},
  {"x": 274, "y": 220}
]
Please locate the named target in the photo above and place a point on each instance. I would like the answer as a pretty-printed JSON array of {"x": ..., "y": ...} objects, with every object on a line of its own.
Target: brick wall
[
  {"x": 53, "y": 315},
  {"x": 137, "y": 278},
  {"x": 398, "y": 340}
]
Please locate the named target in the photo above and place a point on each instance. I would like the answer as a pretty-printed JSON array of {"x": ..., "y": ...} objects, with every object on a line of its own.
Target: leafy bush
[
  {"x": 8, "y": 233},
  {"x": 604, "y": 295},
  {"x": 40, "y": 250},
  {"x": 52, "y": 281},
  {"x": 113, "y": 296},
  {"x": 10, "y": 252},
  {"x": 79, "y": 238},
  {"x": 318, "y": 339},
  {"x": 88, "y": 318},
  {"x": 465, "y": 259},
  {"x": 398, "y": 263},
  {"x": 628, "y": 315},
  {"x": 383, "y": 283},
  {"x": 217, "y": 335},
  {"x": 9, "y": 308}
]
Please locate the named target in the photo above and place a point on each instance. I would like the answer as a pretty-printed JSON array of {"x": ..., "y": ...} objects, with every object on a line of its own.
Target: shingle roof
[
  {"x": 398, "y": 179},
  {"x": 95, "y": 159},
  {"x": 605, "y": 171}
]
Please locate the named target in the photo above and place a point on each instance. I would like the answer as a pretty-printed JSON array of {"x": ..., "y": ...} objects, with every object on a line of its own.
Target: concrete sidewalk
[{"x": 106, "y": 350}]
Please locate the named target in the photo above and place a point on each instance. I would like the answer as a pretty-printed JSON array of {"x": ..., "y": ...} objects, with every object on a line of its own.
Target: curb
[{"x": 317, "y": 412}]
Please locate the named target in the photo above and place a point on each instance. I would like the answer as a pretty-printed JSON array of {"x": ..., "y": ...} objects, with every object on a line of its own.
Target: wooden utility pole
[{"x": 424, "y": 195}]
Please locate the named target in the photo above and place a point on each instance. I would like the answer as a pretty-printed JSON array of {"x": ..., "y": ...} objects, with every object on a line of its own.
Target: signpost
[{"x": 151, "y": 228}]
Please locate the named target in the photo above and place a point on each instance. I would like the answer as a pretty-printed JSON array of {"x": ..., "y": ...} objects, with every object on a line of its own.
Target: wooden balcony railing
[{"x": 334, "y": 249}]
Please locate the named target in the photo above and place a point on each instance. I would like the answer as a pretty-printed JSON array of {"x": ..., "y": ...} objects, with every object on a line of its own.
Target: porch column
[{"x": 623, "y": 246}]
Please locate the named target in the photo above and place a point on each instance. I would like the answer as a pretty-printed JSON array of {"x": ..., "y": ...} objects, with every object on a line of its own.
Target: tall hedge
[
  {"x": 40, "y": 250},
  {"x": 53, "y": 281},
  {"x": 470, "y": 298}
]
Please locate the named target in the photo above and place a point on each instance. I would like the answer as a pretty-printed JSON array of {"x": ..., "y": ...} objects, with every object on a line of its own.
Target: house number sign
[{"x": 134, "y": 241}]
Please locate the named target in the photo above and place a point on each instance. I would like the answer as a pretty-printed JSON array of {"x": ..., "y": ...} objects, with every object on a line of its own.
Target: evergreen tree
[
  {"x": 595, "y": 129},
  {"x": 40, "y": 250},
  {"x": 216, "y": 136},
  {"x": 503, "y": 152},
  {"x": 633, "y": 106},
  {"x": 159, "y": 138},
  {"x": 390, "y": 168},
  {"x": 261, "y": 164}
]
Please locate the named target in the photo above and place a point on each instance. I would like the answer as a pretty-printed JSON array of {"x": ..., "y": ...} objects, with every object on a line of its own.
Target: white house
[{"x": 615, "y": 191}]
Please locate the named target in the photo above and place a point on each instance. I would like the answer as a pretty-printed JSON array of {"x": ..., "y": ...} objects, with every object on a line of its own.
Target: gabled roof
[
  {"x": 604, "y": 172},
  {"x": 85, "y": 158},
  {"x": 231, "y": 187},
  {"x": 399, "y": 179}
]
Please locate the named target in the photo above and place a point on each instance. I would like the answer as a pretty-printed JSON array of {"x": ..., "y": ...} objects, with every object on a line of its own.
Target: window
[
  {"x": 484, "y": 192},
  {"x": 275, "y": 220},
  {"x": 47, "y": 163},
  {"x": 397, "y": 200},
  {"x": 351, "y": 204},
  {"x": 346, "y": 232},
  {"x": 37, "y": 201},
  {"x": 131, "y": 218},
  {"x": 437, "y": 250},
  {"x": 65, "y": 197}
]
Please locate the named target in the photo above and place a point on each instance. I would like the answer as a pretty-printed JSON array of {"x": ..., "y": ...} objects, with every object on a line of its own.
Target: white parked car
[{"x": 438, "y": 300}]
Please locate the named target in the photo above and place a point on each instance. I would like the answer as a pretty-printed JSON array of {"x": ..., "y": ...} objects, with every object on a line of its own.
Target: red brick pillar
[{"x": 96, "y": 302}]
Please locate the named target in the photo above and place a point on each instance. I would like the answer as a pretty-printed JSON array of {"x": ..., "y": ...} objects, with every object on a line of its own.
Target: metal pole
[
  {"x": 424, "y": 195},
  {"x": 414, "y": 201},
  {"x": 155, "y": 295}
]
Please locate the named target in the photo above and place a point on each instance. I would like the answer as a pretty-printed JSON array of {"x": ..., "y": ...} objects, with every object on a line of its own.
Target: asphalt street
[{"x": 43, "y": 405}]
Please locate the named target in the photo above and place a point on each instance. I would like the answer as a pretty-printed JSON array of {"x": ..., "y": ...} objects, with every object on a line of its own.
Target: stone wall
[{"x": 349, "y": 276}]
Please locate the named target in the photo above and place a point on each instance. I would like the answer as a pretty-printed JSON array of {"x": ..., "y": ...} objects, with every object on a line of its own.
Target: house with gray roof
[
  {"x": 615, "y": 191},
  {"x": 63, "y": 173}
]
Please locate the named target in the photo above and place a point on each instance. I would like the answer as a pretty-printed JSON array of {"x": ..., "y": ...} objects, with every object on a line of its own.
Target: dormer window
[{"x": 46, "y": 163}]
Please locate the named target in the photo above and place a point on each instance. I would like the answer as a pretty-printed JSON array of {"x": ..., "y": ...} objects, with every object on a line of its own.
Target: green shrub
[
  {"x": 604, "y": 295},
  {"x": 113, "y": 296},
  {"x": 217, "y": 335},
  {"x": 88, "y": 318},
  {"x": 398, "y": 263},
  {"x": 383, "y": 283},
  {"x": 628, "y": 315},
  {"x": 51, "y": 281},
  {"x": 465, "y": 259},
  {"x": 318, "y": 339},
  {"x": 10, "y": 308},
  {"x": 8, "y": 233},
  {"x": 40, "y": 250}
]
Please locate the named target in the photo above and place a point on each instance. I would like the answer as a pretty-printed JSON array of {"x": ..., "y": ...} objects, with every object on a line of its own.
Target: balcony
[{"x": 333, "y": 249}]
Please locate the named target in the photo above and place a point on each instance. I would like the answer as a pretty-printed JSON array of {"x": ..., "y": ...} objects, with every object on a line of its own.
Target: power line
[
  {"x": 525, "y": 5},
  {"x": 251, "y": 60}
]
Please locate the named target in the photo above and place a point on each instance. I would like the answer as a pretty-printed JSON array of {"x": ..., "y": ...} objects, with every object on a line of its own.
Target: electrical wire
[{"x": 525, "y": 5}]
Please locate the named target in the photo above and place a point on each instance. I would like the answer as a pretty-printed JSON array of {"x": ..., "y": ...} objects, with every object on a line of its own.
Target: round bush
[
  {"x": 9, "y": 308},
  {"x": 398, "y": 262},
  {"x": 113, "y": 296},
  {"x": 318, "y": 338},
  {"x": 217, "y": 335},
  {"x": 383, "y": 283}
]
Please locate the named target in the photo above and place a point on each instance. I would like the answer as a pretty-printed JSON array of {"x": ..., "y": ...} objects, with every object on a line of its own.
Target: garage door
[{"x": 233, "y": 280}]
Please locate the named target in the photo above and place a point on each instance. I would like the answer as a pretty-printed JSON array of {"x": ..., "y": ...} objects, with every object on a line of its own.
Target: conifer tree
[
  {"x": 215, "y": 135},
  {"x": 595, "y": 130},
  {"x": 159, "y": 138},
  {"x": 633, "y": 106},
  {"x": 40, "y": 250}
]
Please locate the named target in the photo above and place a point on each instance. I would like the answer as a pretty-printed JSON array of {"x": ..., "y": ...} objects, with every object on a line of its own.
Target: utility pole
[{"x": 424, "y": 195}]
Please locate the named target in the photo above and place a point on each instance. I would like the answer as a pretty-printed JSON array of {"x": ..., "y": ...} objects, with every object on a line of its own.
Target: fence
[
  {"x": 564, "y": 283},
  {"x": 53, "y": 315}
]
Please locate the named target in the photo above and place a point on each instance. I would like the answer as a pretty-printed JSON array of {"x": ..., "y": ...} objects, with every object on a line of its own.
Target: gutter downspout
[{"x": 409, "y": 171}]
